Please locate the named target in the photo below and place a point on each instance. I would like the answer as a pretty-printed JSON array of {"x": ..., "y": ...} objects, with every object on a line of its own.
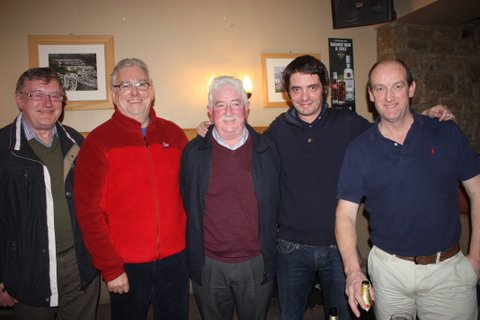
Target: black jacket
[
  {"x": 195, "y": 172},
  {"x": 26, "y": 213}
]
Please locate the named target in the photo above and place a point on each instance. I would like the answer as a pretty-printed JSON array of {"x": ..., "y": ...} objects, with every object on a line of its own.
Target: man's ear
[
  {"x": 411, "y": 89},
  {"x": 113, "y": 93},
  {"x": 370, "y": 95},
  {"x": 209, "y": 112},
  {"x": 18, "y": 100}
]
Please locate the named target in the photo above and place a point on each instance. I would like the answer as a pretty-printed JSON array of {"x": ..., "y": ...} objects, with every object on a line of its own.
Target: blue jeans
[
  {"x": 296, "y": 267},
  {"x": 163, "y": 284}
]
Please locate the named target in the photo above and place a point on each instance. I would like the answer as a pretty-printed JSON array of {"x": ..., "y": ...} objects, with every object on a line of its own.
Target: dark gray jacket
[{"x": 195, "y": 172}]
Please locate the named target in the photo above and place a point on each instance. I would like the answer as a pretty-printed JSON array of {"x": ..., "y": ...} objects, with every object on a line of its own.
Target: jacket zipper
[{"x": 154, "y": 187}]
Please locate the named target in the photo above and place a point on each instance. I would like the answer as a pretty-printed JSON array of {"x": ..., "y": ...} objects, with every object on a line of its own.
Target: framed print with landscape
[
  {"x": 84, "y": 64},
  {"x": 273, "y": 65}
]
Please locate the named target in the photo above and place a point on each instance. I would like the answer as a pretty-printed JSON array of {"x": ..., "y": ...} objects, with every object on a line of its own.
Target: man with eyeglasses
[
  {"x": 129, "y": 204},
  {"x": 45, "y": 270}
]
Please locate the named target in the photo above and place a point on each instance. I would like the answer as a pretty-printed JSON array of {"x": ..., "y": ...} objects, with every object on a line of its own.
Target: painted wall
[{"x": 181, "y": 41}]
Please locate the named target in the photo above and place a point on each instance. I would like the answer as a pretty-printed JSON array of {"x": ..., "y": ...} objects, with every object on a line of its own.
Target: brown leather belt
[{"x": 444, "y": 255}]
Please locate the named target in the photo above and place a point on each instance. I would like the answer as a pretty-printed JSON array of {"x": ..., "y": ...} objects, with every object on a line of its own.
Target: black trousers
[{"x": 163, "y": 284}]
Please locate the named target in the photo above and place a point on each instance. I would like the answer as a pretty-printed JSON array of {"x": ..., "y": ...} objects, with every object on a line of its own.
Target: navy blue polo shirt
[{"x": 410, "y": 190}]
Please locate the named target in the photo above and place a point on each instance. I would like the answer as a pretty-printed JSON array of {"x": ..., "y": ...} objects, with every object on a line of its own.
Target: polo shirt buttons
[
  {"x": 395, "y": 144},
  {"x": 310, "y": 140}
]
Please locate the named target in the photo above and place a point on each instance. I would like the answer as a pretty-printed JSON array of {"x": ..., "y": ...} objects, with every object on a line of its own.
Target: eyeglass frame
[
  {"x": 40, "y": 96},
  {"x": 124, "y": 87}
]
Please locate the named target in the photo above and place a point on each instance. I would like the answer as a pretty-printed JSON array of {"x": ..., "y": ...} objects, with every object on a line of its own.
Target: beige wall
[{"x": 181, "y": 41}]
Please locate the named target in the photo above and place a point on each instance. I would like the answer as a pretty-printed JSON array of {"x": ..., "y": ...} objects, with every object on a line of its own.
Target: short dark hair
[
  {"x": 403, "y": 64},
  {"x": 307, "y": 65},
  {"x": 44, "y": 74}
]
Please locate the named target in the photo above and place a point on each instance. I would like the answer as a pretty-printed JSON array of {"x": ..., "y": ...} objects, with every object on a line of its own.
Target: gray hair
[
  {"x": 126, "y": 63},
  {"x": 221, "y": 81}
]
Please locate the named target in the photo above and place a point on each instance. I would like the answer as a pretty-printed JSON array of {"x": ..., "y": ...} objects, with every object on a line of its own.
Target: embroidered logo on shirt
[
  {"x": 165, "y": 144},
  {"x": 433, "y": 150}
]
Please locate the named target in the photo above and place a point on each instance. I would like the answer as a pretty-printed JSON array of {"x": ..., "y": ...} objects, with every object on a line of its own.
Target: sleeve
[
  {"x": 183, "y": 176},
  {"x": 350, "y": 182},
  {"x": 89, "y": 186},
  {"x": 468, "y": 162}
]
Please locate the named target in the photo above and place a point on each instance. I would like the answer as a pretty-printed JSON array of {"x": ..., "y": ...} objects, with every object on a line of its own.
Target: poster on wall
[{"x": 342, "y": 90}]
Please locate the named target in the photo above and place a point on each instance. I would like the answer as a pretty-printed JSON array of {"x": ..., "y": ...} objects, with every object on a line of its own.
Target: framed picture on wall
[
  {"x": 273, "y": 65},
  {"x": 84, "y": 64}
]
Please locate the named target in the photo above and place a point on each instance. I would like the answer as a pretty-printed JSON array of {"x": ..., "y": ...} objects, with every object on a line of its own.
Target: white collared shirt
[{"x": 240, "y": 143}]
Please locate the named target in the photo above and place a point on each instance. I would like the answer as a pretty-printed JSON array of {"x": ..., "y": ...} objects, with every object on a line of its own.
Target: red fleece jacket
[{"x": 127, "y": 193}]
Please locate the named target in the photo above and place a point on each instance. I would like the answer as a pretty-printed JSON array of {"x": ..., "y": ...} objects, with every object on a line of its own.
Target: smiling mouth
[
  {"x": 46, "y": 111},
  {"x": 390, "y": 106},
  {"x": 305, "y": 105}
]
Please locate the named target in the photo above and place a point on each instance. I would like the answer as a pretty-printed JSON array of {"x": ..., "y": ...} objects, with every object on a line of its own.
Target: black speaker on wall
[{"x": 355, "y": 13}]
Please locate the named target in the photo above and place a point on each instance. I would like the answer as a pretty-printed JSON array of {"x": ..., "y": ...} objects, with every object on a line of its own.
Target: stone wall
[{"x": 445, "y": 62}]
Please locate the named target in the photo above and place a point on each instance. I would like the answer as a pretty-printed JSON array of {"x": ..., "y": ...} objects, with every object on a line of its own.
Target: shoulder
[
  {"x": 170, "y": 125},
  {"x": 262, "y": 138},
  {"x": 448, "y": 127},
  {"x": 195, "y": 143},
  {"x": 100, "y": 137},
  {"x": 170, "y": 128},
  {"x": 7, "y": 129},
  {"x": 278, "y": 121},
  {"x": 347, "y": 117},
  {"x": 71, "y": 133},
  {"x": 5, "y": 134},
  {"x": 196, "y": 149},
  {"x": 361, "y": 142}
]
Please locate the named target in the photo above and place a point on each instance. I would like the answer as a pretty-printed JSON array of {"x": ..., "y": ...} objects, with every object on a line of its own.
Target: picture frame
[
  {"x": 273, "y": 65},
  {"x": 84, "y": 64}
]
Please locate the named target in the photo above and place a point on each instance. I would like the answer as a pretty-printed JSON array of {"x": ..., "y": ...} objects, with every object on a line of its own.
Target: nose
[
  {"x": 134, "y": 90},
  {"x": 304, "y": 95},
  {"x": 47, "y": 100},
  {"x": 388, "y": 94},
  {"x": 228, "y": 109}
]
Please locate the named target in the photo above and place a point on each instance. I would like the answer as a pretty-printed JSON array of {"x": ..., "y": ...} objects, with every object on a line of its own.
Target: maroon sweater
[{"x": 231, "y": 210}]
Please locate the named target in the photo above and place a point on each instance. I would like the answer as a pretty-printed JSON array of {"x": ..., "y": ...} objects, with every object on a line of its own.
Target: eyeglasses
[
  {"x": 40, "y": 96},
  {"x": 128, "y": 87}
]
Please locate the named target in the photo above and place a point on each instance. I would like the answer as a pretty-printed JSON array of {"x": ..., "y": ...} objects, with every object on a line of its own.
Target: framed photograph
[
  {"x": 273, "y": 65},
  {"x": 84, "y": 64}
]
